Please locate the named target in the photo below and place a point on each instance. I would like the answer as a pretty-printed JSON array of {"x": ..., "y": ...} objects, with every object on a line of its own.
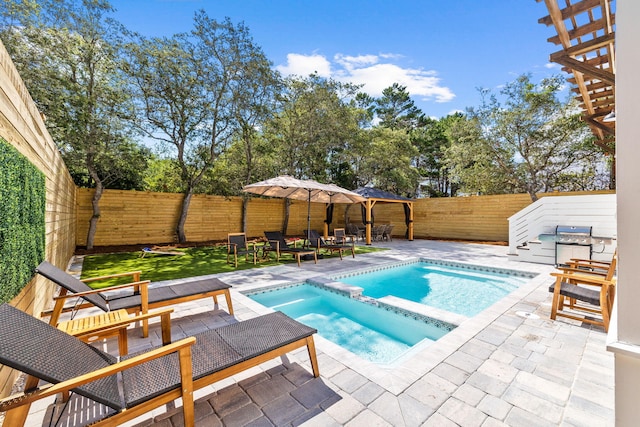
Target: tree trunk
[
  {"x": 182, "y": 237},
  {"x": 95, "y": 216},
  {"x": 346, "y": 215},
  {"x": 245, "y": 210},
  {"x": 285, "y": 221}
]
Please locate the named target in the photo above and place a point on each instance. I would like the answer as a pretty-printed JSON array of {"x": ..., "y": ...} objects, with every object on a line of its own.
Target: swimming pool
[
  {"x": 382, "y": 313},
  {"x": 459, "y": 289},
  {"x": 373, "y": 333}
]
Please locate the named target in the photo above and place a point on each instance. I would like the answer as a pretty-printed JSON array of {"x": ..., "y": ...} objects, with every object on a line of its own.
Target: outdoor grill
[{"x": 572, "y": 242}]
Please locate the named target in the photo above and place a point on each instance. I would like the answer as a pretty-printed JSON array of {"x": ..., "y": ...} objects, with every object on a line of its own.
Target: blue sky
[{"x": 442, "y": 50}]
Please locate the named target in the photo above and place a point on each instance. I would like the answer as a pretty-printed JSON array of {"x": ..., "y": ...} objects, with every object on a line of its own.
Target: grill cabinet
[{"x": 572, "y": 242}]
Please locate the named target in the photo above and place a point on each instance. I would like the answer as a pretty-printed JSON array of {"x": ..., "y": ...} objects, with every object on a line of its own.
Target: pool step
[{"x": 368, "y": 300}]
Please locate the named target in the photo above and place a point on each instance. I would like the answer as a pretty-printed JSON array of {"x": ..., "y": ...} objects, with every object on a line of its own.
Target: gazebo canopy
[
  {"x": 374, "y": 193},
  {"x": 373, "y": 196}
]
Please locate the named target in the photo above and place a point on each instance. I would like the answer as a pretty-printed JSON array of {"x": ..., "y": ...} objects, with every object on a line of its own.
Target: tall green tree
[
  {"x": 194, "y": 90},
  {"x": 431, "y": 140},
  {"x": 531, "y": 142},
  {"x": 388, "y": 165},
  {"x": 396, "y": 109},
  {"x": 67, "y": 52},
  {"x": 314, "y": 120}
]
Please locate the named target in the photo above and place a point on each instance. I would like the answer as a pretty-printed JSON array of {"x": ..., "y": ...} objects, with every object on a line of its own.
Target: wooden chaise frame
[
  {"x": 293, "y": 334},
  {"x": 94, "y": 298}
]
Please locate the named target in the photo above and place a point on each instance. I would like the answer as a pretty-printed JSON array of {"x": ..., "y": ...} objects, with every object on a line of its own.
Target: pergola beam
[{"x": 585, "y": 29}]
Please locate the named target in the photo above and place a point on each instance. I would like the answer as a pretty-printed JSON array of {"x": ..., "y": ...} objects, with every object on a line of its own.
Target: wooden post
[
  {"x": 410, "y": 221},
  {"x": 368, "y": 217}
]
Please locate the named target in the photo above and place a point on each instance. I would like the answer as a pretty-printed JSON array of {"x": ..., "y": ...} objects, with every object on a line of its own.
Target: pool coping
[{"x": 416, "y": 362}]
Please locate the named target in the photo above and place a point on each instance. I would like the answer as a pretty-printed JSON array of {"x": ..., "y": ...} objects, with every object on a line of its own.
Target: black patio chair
[{"x": 237, "y": 245}]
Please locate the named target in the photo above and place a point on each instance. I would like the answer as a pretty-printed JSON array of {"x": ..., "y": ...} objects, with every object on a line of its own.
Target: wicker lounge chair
[
  {"x": 237, "y": 245},
  {"x": 317, "y": 242},
  {"x": 276, "y": 243},
  {"x": 148, "y": 380},
  {"x": 140, "y": 300}
]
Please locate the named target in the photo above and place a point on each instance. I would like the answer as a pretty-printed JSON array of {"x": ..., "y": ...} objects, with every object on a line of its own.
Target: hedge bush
[{"x": 22, "y": 220}]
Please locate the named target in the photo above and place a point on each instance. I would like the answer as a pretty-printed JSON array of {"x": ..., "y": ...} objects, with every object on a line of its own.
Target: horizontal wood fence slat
[
  {"x": 135, "y": 217},
  {"x": 22, "y": 126}
]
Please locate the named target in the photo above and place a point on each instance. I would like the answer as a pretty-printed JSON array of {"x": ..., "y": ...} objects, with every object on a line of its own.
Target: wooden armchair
[
  {"x": 587, "y": 292},
  {"x": 341, "y": 236},
  {"x": 605, "y": 269}
]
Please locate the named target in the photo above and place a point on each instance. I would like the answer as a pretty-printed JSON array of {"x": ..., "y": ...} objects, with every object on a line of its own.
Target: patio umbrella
[{"x": 289, "y": 187}]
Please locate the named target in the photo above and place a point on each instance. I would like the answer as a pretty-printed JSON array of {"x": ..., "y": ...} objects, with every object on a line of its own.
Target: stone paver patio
[{"x": 509, "y": 365}]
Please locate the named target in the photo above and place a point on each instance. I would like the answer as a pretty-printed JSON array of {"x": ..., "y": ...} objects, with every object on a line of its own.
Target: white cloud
[
  {"x": 390, "y": 56},
  {"x": 374, "y": 72},
  {"x": 551, "y": 65},
  {"x": 303, "y": 65},
  {"x": 351, "y": 62}
]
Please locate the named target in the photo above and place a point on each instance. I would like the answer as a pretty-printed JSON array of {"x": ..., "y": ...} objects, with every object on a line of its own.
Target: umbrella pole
[{"x": 309, "y": 219}]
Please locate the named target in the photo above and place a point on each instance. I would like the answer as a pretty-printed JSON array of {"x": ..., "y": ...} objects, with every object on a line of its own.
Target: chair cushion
[
  {"x": 578, "y": 292},
  {"x": 214, "y": 350},
  {"x": 38, "y": 349},
  {"x": 70, "y": 283},
  {"x": 168, "y": 293}
]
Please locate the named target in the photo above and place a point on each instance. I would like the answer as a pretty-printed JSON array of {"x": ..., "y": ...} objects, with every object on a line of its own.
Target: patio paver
[{"x": 499, "y": 368}]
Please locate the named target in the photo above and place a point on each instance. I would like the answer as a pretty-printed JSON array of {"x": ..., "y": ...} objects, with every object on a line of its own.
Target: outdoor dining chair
[
  {"x": 237, "y": 245},
  {"x": 341, "y": 237},
  {"x": 386, "y": 234},
  {"x": 355, "y": 231},
  {"x": 378, "y": 231}
]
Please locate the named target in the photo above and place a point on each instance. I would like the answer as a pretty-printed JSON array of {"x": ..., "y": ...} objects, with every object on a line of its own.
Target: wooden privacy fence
[
  {"x": 134, "y": 217},
  {"x": 22, "y": 126}
]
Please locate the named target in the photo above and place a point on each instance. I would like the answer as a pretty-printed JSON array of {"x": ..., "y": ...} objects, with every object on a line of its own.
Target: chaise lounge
[
  {"x": 140, "y": 300},
  {"x": 146, "y": 380},
  {"x": 277, "y": 244},
  {"x": 317, "y": 242}
]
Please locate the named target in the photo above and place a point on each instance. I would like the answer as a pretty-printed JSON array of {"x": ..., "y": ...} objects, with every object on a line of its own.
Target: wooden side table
[
  {"x": 309, "y": 252},
  {"x": 112, "y": 323}
]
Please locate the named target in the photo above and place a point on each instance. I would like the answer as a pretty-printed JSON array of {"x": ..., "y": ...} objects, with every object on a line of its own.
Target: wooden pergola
[
  {"x": 373, "y": 196},
  {"x": 586, "y": 34}
]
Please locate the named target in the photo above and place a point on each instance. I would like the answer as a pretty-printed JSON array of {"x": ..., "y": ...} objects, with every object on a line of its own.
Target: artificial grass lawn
[{"x": 197, "y": 261}]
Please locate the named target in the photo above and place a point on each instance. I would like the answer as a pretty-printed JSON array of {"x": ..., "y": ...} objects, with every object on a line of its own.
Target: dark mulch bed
[{"x": 81, "y": 250}]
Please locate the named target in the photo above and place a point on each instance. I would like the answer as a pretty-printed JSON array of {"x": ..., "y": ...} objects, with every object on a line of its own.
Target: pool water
[
  {"x": 459, "y": 290},
  {"x": 375, "y": 334}
]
